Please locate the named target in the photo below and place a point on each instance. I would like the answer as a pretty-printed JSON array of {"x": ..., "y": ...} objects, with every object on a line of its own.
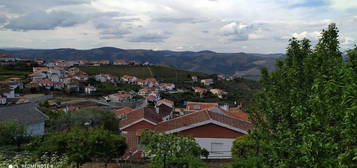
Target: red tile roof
[
  {"x": 121, "y": 111},
  {"x": 138, "y": 114},
  {"x": 199, "y": 106},
  {"x": 152, "y": 80},
  {"x": 198, "y": 117},
  {"x": 36, "y": 74},
  {"x": 119, "y": 61},
  {"x": 128, "y": 77},
  {"x": 198, "y": 89},
  {"x": 45, "y": 82},
  {"x": 5, "y": 56},
  {"x": 165, "y": 101},
  {"x": 240, "y": 115}
]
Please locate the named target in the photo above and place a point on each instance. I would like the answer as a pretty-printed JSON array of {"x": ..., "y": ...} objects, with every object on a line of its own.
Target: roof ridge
[
  {"x": 187, "y": 115},
  {"x": 225, "y": 115},
  {"x": 209, "y": 116},
  {"x": 201, "y": 102}
]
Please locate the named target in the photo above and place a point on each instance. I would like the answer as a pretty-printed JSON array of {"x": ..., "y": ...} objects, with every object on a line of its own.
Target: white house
[
  {"x": 207, "y": 82},
  {"x": 166, "y": 86},
  {"x": 7, "y": 92},
  {"x": 2, "y": 100},
  {"x": 128, "y": 79},
  {"x": 89, "y": 89}
]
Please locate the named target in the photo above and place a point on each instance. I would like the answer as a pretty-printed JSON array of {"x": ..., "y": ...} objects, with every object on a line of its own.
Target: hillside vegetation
[
  {"x": 243, "y": 64},
  {"x": 15, "y": 71},
  {"x": 240, "y": 89}
]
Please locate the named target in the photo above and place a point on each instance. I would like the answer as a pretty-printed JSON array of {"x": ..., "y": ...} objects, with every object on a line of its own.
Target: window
[{"x": 217, "y": 148}]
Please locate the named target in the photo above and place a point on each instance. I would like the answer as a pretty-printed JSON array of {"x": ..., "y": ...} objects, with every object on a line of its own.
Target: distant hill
[{"x": 244, "y": 64}]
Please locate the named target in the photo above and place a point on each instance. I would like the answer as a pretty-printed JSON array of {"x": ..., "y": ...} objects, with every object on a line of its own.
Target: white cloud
[
  {"x": 343, "y": 4},
  {"x": 315, "y": 35}
]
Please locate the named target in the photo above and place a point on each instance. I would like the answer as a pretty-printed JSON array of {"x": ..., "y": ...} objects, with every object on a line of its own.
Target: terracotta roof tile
[
  {"x": 194, "y": 118},
  {"x": 121, "y": 111},
  {"x": 165, "y": 101},
  {"x": 138, "y": 114},
  {"x": 198, "y": 106}
]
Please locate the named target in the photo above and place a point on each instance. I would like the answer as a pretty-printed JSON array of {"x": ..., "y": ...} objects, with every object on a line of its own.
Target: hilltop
[{"x": 240, "y": 64}]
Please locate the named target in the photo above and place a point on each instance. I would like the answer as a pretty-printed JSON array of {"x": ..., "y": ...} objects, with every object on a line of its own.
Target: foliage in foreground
[
  {"x": 306, "y": 113},
  {"x": 168, "y": 150},
  {"x": 11, "y": 133},
  {"x": 22, "y": 160},
  {"x": 80, "y": 145}
]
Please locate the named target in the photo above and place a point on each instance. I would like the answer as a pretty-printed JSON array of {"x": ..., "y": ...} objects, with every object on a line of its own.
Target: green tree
[
  {"x": 169, "y": 150},
  {"x": 352, "y": 55},
  {"x": 306, "y": 113},
  {"x": 86, "y": 118},
  {"x": 12, "y": 133},
  {"x": 80, "y": 145}
]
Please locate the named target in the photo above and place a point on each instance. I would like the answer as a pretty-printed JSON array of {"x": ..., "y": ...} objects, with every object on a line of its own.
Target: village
[{"x": 214, "y": 126}]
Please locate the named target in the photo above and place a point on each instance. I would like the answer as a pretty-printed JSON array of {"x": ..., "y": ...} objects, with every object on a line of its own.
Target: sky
[{"x": 255, "y": 26}]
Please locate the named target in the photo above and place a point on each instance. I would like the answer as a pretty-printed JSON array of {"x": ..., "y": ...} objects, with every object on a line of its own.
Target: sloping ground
[
  {"x": 205, "y": 61},
  {"x": 162, "y": 73}
]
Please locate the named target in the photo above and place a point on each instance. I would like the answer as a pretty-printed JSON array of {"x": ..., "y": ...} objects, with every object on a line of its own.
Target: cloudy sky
[{"x": 260, "y": 26}]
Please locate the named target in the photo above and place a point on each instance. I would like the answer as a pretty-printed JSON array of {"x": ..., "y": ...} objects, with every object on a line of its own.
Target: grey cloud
[
  {"x": 178, "y": 20},
  {"x": 151, "y": 37},
  {"x": 22, "y": 6},
  {"x": 3, "y": 19},
  {"x": 41, "y": 20},
  {"x": 113, "y": 28}
]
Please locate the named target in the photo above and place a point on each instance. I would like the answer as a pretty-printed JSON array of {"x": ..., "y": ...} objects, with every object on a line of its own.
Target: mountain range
[{"x": 240, "y": 64}]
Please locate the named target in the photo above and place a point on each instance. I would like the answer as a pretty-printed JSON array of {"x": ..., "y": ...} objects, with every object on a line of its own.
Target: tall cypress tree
[{"x": 306, "y": 113}]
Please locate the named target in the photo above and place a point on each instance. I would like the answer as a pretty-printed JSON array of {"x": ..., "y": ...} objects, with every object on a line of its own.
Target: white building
[{"x": 89, "y": 89}]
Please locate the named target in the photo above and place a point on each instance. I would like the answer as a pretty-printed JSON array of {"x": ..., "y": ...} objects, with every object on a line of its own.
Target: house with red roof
[
  {"x": 166, "y": 86},
  {"x": 199, "y": 106},
  {"x": 128, "y": 79},
  {"x": 199, "y": 90},
  {"x": 212, "y": 129},
  {"x": 104, "y": 62},
  {"x": 151, "y": 82},
  {"x": 120, "y": 62},
  {"x": 207, "y": 82},
  {"x": 37, "y": 76},
  {"x": 58, "y": 85},
  {"x": 89, "y": 89},
  {"x": 121, "y": 112},
  {"x": 140, "y": 82},
  {"x": 106, "y": 78},
  {"x": 145, "y": 91}
]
